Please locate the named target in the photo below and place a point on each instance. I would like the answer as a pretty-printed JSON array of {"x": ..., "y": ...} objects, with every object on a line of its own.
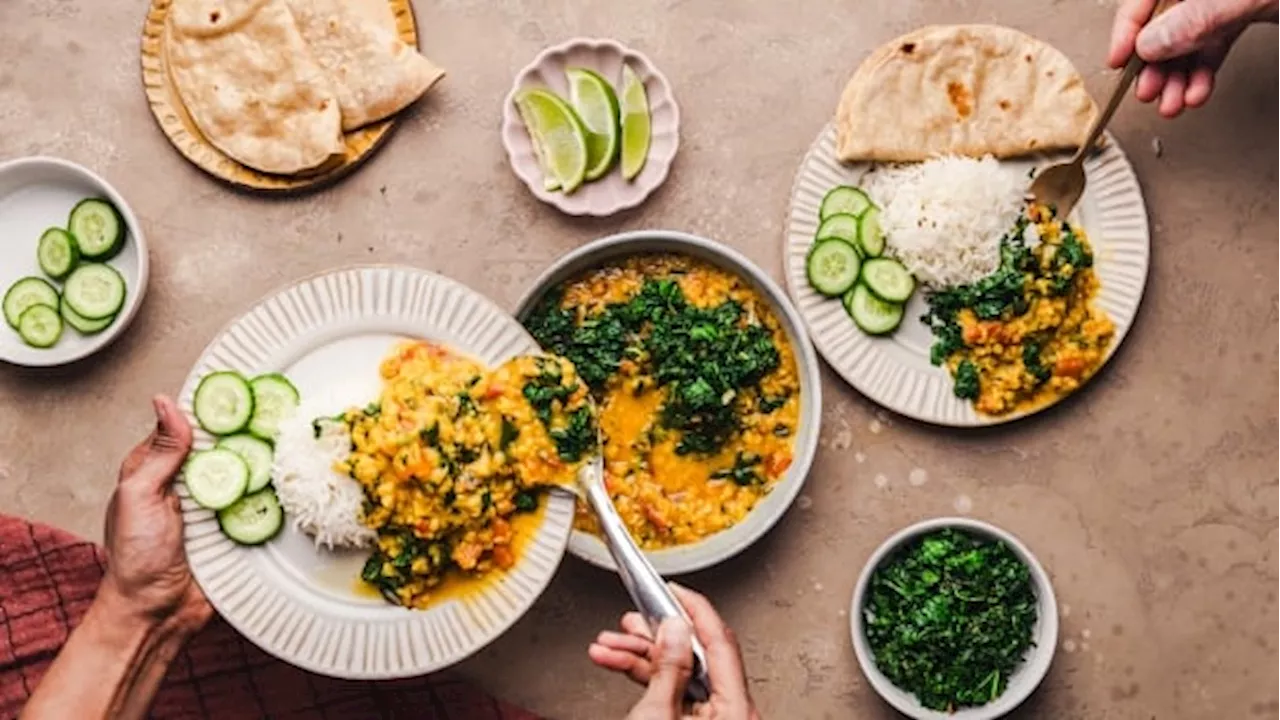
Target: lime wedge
[
  {"x": 559, "y": 139},
  {"x": 596, "y": 104},
  {"x": 635, "y": 124}
]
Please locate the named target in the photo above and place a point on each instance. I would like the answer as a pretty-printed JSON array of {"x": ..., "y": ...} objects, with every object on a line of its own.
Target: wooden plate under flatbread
[{"x": 172, "y": 116}]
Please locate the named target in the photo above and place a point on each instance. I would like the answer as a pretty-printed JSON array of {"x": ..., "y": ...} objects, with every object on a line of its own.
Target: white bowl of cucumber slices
[{"x": 73, "y": 262}]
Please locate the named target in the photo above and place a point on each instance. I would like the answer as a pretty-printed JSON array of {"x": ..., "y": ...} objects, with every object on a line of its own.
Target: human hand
[
  {"x": 147, "y": 576},
  {"x": 665, "y": 664},
  {"x": 1184, "y": 46},
  {"x": 147, "y": 605}
]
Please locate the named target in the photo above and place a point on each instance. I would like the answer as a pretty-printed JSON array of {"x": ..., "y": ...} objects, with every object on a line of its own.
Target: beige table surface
[{"x": 1152, "y": 498}]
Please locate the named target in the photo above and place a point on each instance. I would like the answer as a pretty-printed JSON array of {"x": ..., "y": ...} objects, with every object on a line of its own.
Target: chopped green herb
[
  {"x": 431, "y": 435},
  {"x": 509, "y": 433},
  {"x": 743, "y": 472},
  {"x": 703, "y": 357},
  {"x": 949, "y": 618},
  {"x": 466, "y": 404},
  {"x": 547, "y": 392},
  {"x": 967, "y": 384},
  {"x": 1032, "y": 361},
  {"x": 578, "y": 438},
  {"x": 526, "y": 501}
]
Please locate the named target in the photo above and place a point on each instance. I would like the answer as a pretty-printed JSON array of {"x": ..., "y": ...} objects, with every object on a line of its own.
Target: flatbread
[
  {"x": 373, "y": 72},
  {"x": 969, "y": 90},
  {"x": 251, "y": 86}
]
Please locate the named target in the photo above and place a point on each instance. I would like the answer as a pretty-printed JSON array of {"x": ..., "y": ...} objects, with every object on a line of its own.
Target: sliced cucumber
[
  {"x": 81, "y": 324},
  {"x": 25, "y": 293},
  {"x": 274, "y": 399},
  {"x": 40, "y": 326},
  {"x": 97, "y": 227},
  {"x": 95, "y": 291},
  {"x": 256, "y": 453},
  {"x": 216, "y": 478},
  {"x": 57, "y": 253},
  {"x": 843, "y": 200},
  {"x": 832, "y": 267},
  {"x": 873, "y": 315},
  {"x": 870, "y": 236},
  {"x": 223, "y": 403},
  {"x": 888, "y": 279},
  {"x": 840, "y": 227},
  {"x": 254, "y": 519}
]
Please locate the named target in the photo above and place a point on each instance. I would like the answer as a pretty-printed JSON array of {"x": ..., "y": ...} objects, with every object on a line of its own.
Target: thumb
[
  {"x": 1187, "y": 26},
  {"x": 167, "y": 447},
  {"x": 671, "y": 670}
]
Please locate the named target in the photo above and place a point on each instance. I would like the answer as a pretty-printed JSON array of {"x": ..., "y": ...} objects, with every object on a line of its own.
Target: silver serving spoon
[{"x": 650, "y": 594}]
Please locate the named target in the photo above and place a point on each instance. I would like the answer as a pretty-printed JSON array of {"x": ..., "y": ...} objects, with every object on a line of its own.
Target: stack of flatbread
[
  {"x": 968, "y": 90},
  {"x": 274, "y": 84}
]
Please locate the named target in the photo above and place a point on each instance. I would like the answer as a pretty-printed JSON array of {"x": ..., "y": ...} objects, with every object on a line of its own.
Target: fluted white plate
[
  {"x": 895, "y": 371},
  {"x": 299, "y": 603},
  {"x": 610, "y": 193}
]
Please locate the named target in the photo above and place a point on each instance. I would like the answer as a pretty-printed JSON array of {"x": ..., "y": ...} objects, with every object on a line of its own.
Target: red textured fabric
[{"x": 49, "y": 577}]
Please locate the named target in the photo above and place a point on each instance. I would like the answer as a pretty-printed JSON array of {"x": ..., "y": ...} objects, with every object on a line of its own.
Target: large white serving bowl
[{"x": 727, "y": 543}]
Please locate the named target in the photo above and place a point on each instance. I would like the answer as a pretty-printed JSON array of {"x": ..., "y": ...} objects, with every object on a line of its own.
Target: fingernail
[{"x": 1152, "y": 40}]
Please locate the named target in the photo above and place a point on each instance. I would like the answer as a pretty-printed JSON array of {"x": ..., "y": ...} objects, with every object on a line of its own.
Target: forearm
[{"x": 110, "y": 667}]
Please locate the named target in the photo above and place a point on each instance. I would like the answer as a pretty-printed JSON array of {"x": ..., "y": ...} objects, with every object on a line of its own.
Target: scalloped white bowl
[{"x": 610, "y": 193}]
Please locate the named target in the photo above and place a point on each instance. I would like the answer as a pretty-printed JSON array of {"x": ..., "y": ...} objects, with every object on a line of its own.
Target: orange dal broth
[
  {"x": 667, "y": 499},
  {"x": 457, "y": 585}
]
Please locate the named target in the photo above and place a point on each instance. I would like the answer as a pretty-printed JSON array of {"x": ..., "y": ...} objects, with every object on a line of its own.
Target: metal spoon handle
[
  {"x": 649, "y": 593},
  {"x": 1127, "y": 76}
]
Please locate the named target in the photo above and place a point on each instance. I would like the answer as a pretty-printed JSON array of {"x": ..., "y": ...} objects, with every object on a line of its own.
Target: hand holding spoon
[{"x": 1061, "y": 185}]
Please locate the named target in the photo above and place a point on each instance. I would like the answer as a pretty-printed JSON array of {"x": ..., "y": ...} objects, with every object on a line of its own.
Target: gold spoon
[{"x": 1061, "y": 185}]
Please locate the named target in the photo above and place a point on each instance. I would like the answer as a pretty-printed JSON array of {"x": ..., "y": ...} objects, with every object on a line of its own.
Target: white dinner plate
[
  {"x": 895, "y": 371},
  {"x": 37, "y": 193},
  {"x": 303, "y": 604}
]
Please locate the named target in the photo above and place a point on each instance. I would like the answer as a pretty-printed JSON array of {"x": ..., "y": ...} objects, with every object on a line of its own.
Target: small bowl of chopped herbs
[{"x": 954, "y": 618}]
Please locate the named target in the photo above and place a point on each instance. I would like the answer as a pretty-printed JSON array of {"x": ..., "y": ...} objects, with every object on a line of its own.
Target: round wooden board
[{"x": 167, "y": 107}]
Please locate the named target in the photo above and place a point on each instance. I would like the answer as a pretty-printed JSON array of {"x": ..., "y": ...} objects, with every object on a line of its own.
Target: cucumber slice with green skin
[
  {"x": 24, "y": 294},
  {"x": 97, "y": 227},
  {"x": 256, "y": 453},
  {"x": 81, "y": 324},
  {"x": 832, "y": 267},
  {"x": 95, "y": 291},
  {"x": 57, "y": 253},
  {"x": 888, "y": 279},
  {"x": 223, "y": 403},
  {"x": 841, "y": 227},
  {"x": 40, "y": 327},
  {"x": 253, "y": 519},
  {"x": 870, "y": 236},
  {"x": 843, "y": 200},
  {"x": 873, "y": 315},
  {"x": 274, "y": 399},
  {"x": 216, "y": 478}
]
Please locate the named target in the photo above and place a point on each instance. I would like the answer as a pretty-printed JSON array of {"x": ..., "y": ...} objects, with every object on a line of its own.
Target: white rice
[
  {"x": 944, "y": 218},
  {"x": 319, "y": 501}
]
